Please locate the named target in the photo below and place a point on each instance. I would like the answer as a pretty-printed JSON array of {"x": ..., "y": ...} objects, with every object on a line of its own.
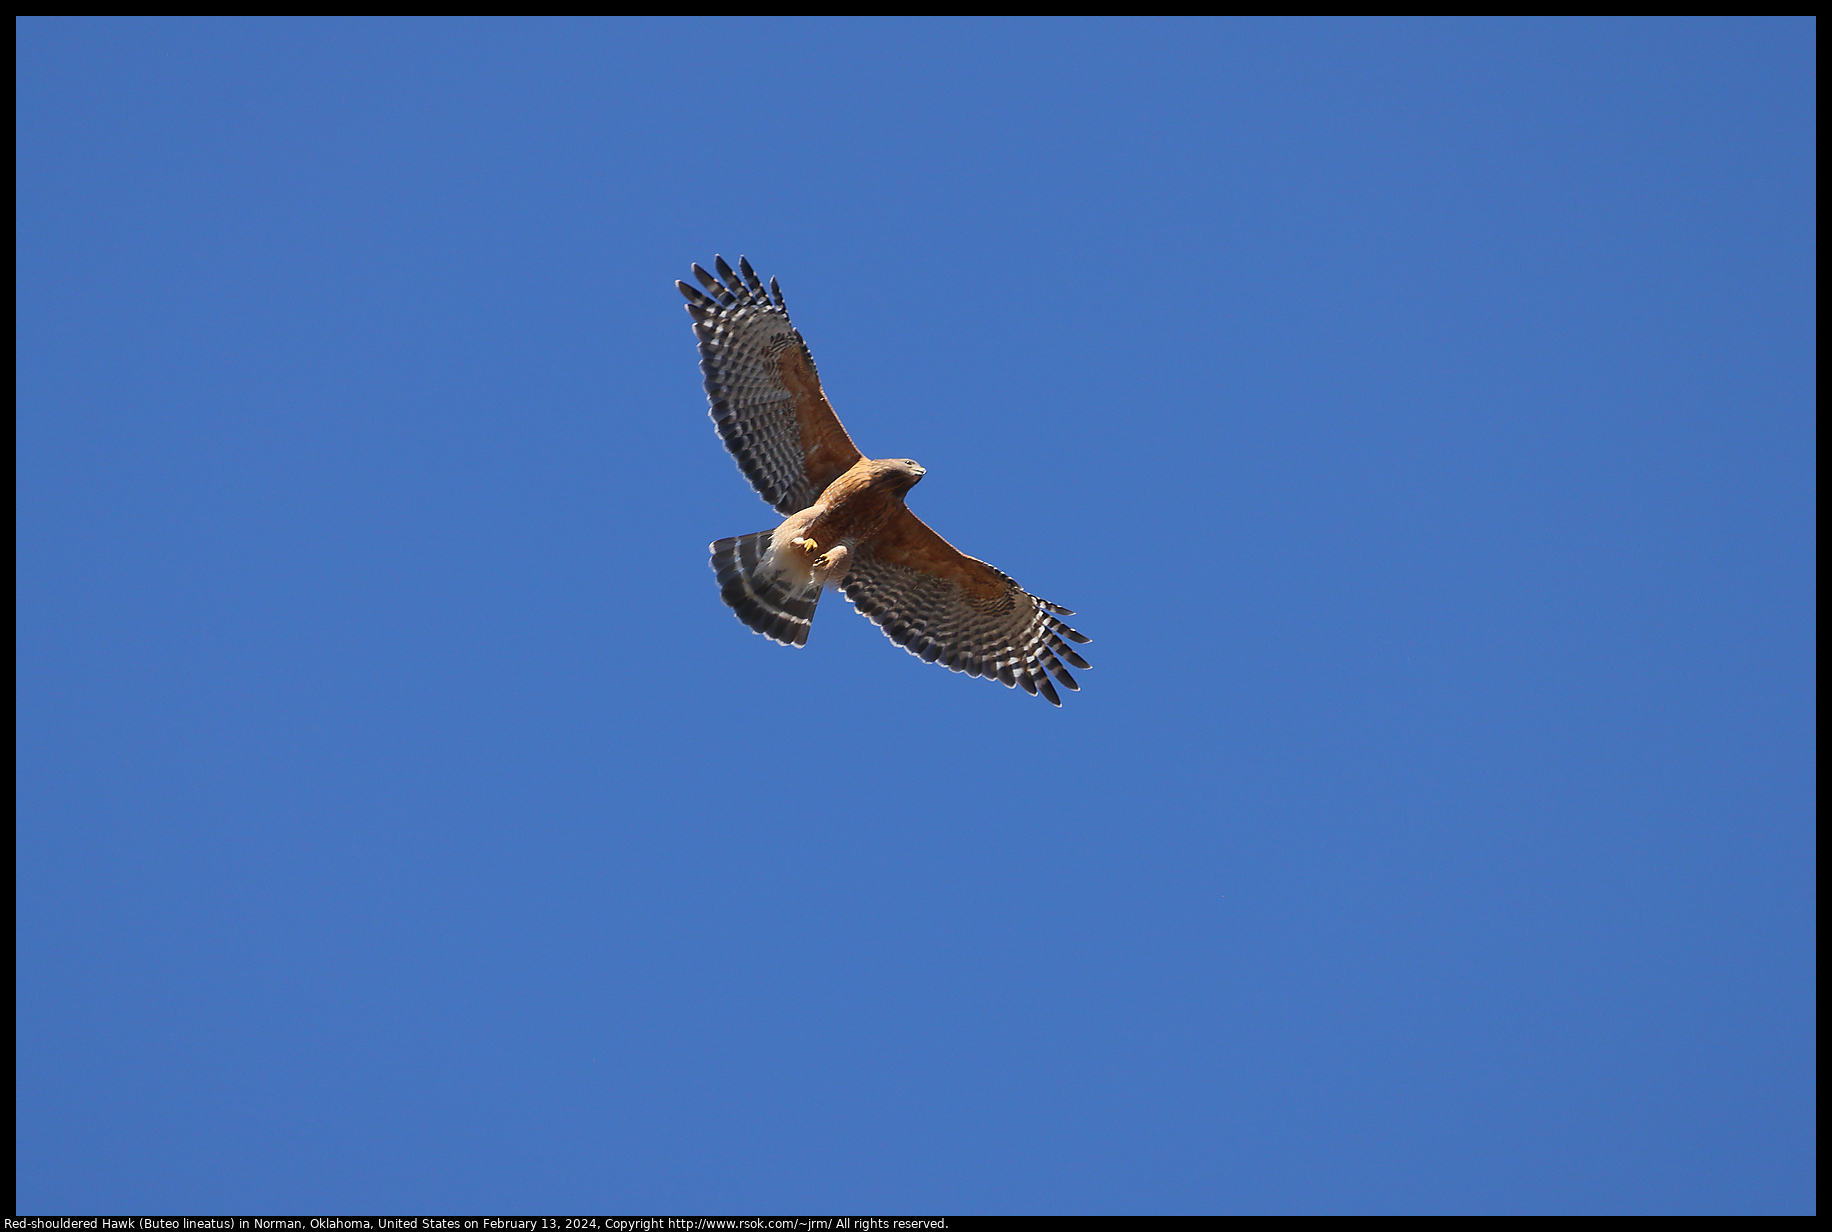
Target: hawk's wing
[
  {"x": 946, "y": 607},
  {"x": 766, "y": 397}
]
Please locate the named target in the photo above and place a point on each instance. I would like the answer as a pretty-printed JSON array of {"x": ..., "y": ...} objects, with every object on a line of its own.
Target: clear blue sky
[{"x": 1418, "y": 414}]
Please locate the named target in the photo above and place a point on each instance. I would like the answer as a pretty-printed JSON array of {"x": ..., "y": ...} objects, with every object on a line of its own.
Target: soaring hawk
[{"x": 847, "y": 526}]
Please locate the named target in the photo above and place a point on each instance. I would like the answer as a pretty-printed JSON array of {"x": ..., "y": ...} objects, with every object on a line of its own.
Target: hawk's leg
[
  {"x": 830, "y": 566},
  {"x": 807, "y": 545}
]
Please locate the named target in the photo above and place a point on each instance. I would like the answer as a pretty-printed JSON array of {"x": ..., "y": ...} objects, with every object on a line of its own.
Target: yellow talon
[
  {"x": 823, "y": 561},
  {"x": 806, "y": 545}
]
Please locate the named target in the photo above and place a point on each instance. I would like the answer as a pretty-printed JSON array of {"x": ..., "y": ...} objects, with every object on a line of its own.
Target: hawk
[{"x": 846, "y": 525}]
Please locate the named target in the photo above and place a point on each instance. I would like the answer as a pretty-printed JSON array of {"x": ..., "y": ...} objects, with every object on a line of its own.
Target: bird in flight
[{"x": 846, "y": 525}]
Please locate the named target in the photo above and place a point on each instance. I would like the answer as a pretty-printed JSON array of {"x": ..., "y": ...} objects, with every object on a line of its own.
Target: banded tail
[{"x": 773, "y": 595}]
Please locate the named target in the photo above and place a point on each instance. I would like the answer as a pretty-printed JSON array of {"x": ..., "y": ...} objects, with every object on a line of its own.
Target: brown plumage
[{"x": 847, "y": 525}]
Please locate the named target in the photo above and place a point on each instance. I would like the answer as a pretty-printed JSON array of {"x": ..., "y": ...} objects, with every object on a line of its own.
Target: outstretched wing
[
  {"x": 766, "y": 397},
  {"x": 945, "y": 607}
]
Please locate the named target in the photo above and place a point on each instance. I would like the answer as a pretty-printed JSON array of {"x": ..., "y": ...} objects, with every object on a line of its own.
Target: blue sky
[{"x": 1419, "y": 416}]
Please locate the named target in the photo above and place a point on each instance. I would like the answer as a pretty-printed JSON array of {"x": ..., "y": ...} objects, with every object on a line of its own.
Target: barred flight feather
[
  {"x": 1010, "y": 639},
  {"x": 744, "y": 335},
  {"x": 777, "y": 606}
]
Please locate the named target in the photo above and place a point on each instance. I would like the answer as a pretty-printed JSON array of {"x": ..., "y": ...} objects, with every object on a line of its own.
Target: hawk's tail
[{"x": 777, "y": 602}]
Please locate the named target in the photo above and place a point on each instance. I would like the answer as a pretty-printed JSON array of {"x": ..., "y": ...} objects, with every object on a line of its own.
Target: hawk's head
[{"x": 898, "y": 474}]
